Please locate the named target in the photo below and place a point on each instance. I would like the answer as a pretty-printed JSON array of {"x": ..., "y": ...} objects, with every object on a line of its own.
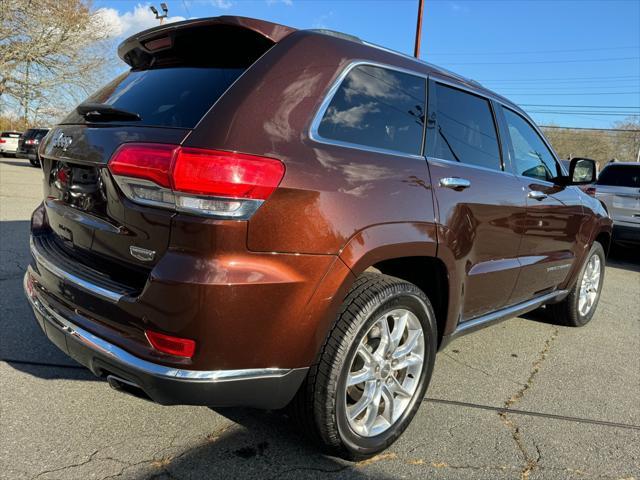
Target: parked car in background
[
  {"x": 9, "y": 142},
  {"x": 300, "y": 220},
  {"x": 28, "y": 144},
  {"x": 618, "y": 187}
]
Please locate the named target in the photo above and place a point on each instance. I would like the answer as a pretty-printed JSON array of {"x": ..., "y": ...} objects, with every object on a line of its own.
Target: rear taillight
[
  {"x": 2, "y": 140},
  {"x": 180, "y": 347},
  {"x": 591, "y": 190},
  {"x": 31, "y": 142},
  {"x": 209, "y": 182}
]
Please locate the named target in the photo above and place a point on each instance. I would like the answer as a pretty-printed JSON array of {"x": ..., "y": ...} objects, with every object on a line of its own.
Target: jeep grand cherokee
[{"x": 259, "y": 216}]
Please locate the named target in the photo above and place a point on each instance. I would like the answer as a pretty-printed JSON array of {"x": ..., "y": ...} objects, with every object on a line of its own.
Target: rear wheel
[
  {"x": 373, "y": 370},
  {"x": 578, "y": 308}
]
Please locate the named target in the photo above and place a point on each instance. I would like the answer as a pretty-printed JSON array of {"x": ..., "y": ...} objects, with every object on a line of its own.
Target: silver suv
[{"x": 618, "y": 186}]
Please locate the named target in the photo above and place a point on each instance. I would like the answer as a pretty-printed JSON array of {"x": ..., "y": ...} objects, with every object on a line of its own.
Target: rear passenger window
[
  {"x": 532, "y": 158},
  {"x": 377, "y": 107},
  {"x": 466, "y": 130}
]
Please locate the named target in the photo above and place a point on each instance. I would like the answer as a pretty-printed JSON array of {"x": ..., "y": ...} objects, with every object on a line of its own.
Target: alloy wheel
[{"x": 384, "y": 373}]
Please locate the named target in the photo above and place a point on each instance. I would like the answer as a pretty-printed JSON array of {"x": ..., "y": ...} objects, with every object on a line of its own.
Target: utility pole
[
  {"x": 165, "y": 12},
  {"x": 416, "y": 50}
]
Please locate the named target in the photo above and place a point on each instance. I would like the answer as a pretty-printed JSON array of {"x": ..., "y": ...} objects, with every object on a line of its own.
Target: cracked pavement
[{"x": 521, "y": 400}]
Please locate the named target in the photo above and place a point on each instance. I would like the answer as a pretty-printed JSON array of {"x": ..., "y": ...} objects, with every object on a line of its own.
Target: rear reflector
[
  {"x": 209, "y": 182},
  {"x": 180, "y": 347}
]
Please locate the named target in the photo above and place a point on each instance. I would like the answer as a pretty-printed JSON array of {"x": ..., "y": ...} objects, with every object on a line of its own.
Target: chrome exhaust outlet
[{"x": 125, "y": 386}]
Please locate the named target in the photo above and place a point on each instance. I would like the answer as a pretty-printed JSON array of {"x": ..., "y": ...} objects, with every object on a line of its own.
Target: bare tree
[
  {"x": 623, "y": 144},
  {"x": 52, "y": 54}
]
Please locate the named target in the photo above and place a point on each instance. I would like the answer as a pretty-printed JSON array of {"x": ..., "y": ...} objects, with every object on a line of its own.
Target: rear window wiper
[{"x": 104, "y": 111}]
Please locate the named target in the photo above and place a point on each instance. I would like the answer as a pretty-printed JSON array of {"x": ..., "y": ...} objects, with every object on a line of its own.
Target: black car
[{"x": 28, "y": 144}]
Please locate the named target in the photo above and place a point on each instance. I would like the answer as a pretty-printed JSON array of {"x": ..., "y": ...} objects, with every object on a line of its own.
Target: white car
[
  {"x": 618, "y": 187},
  {"x": 9, "y": 142}
]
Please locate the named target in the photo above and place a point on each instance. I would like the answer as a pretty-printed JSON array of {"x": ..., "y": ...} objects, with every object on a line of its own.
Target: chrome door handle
[
  {"x": 455, "y": 183},
  {"x": 537, "y": 195}
]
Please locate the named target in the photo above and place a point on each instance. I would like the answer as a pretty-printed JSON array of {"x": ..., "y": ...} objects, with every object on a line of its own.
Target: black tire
[
  {"x": 319, "y": 405},
  {"x": 567, "y": 311}
]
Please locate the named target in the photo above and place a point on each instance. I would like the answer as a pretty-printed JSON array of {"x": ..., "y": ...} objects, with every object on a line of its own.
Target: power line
[
  {"x": 577, "y": 106},
  {"x": 576, "y": 93},
  {"x": 635, "y": 47},
  {"x": 558, "y": 78},
  {"x": 552, "y": 105},
  {"x": 591, "y": 60},
  {"x": 602, "y": 114},
  {"x": 589, "y": 128}
]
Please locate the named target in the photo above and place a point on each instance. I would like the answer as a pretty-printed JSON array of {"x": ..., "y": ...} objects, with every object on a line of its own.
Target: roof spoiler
[{"x": 138, "y": 49}]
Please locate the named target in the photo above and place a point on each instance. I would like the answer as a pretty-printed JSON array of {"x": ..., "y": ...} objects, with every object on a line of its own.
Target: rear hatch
[
  {"x": 177, "y": 73},
  {"x": 31, "y": 138},
  {"x": 618, "y": 186}
]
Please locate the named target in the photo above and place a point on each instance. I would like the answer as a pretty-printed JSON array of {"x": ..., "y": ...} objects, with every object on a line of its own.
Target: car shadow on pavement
[
  {"x": 23, "y": 345},
  {"x": 16, "y": 162},
  {"x": 259, "y": 444},
  {"x": 624, "y": 257}
]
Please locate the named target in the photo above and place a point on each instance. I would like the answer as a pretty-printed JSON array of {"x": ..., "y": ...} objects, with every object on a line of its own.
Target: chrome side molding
[{"x": 502, "y": 314}]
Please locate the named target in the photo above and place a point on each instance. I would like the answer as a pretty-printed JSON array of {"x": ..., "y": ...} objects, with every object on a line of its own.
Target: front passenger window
[{"x": 532, "y": 158}]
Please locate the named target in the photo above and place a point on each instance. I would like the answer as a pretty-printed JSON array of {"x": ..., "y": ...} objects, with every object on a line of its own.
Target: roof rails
[
  {"x": 333, "y": 33},
  {"x": 353, "y": 38}
]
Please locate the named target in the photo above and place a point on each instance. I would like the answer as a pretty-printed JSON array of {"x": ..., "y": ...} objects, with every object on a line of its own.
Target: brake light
[
  {"x": 2, "y": 140},
  {"x": 210, "y": 182},
  {"x": 147, "y": 161},
  {"x": 180, "y": 347},
  {"x": 226, "y": 174}
]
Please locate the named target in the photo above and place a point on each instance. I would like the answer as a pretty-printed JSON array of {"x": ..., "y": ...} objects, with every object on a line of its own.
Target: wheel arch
[{"x": 407, "y": 251}]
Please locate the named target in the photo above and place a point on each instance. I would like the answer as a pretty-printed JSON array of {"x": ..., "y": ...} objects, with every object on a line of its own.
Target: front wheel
[
  {"x": 373, "y": 370},
  {"x": 578, "y": 308}
]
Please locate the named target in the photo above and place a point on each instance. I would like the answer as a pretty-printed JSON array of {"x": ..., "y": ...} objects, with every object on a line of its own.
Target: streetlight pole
[{"x": 416, "y": 50}]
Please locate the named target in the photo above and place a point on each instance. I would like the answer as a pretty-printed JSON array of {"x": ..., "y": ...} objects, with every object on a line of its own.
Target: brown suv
[{"x": 258, "y": 216}]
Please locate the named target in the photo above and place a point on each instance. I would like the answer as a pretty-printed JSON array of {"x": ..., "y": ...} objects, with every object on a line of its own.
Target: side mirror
[{"x": 582, "y": 171}]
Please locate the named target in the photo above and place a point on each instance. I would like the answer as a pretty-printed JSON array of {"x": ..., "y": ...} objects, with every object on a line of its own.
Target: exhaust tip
[{"x": 125, "y": 386}]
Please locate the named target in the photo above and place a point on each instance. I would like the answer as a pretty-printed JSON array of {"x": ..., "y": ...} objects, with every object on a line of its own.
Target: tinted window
[
  {"x": 10, "y": 135},
  {"x": 170, "y": 97},
  {"x": 620, "y": 176},
  {"x": 466, "y": 131},
  {"x": 377, "y": 107},
  {"x": 532, "y": 158},
  {"x": 34, "y": 133}
]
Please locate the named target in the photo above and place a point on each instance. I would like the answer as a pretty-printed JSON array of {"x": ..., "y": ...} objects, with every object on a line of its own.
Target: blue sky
[{"x": 544, "y": 52}]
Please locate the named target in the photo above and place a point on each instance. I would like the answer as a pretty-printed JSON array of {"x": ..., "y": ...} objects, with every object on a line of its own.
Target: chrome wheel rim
[
  {"x": 384, "y": 373},
  {"x": 590, "y": 285}
]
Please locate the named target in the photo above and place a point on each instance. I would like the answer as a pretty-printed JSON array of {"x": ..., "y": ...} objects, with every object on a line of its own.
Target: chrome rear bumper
[{"x": 270, "y": 388}]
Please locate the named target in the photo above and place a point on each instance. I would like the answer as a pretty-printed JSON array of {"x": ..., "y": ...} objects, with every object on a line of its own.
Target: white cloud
[
  {"x": 223, "y": 4},
  {"x": 118, "y": 24},
  {"x": 285, "y": 2}
]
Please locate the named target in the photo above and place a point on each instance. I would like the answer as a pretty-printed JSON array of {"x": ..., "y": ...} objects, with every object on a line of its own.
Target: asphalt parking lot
[{"x": 523, "y": 399}]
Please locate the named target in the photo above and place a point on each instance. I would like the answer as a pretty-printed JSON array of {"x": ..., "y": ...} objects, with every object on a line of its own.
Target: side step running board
[{"x": 503, "y": 314}]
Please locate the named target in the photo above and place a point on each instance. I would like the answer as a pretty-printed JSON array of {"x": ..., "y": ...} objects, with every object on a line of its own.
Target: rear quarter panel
[{"x": 329, "y": 193}]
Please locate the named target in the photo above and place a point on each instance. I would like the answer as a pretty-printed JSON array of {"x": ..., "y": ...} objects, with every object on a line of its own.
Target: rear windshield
[
  {"x": 167, "y": 97},
  {"x": 10, "y": 135},
  {"x": 620, "y": 176},
  {"x": 34, "y": 133}
]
